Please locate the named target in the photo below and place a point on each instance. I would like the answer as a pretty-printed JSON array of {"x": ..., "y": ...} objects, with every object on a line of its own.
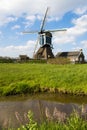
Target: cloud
[
  {"x": 18, "y": 8},
  {"x": 15, "y": 51},
  {"x": 79, "y": 28},
  {"x": 7, "y": 19},
  {"x": 84, "y": 44},
  {"x": 0, "y": 32},
  {"x": 63, "y": 39},
  {"x": 1, "y": 35},
  {"x": 80, "y": 11},
  {"x": 29, "y": 20},
  {"x": 15, "y": 27},
  {"x": 80, "y": 25}
]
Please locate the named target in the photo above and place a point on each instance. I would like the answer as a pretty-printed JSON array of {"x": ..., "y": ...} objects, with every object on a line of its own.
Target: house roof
[
  {"x": 23, "y": 56},
  {"x": 69, "y": 54}
]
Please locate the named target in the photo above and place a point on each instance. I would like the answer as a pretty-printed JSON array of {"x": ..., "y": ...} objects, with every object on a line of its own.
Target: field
[{"x": 32, "y": 78}]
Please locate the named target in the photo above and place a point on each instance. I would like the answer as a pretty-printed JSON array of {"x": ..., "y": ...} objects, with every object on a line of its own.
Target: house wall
[
  {"x": 73, "y": 58},
  {"x": 81, "y": 59}
]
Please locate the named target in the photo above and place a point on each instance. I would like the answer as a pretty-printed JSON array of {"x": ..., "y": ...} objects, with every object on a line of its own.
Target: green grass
[{"x": 32, "y": 78}]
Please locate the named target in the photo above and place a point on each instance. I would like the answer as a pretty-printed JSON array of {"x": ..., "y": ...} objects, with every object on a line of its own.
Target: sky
[{"x": 17, "y": 16}]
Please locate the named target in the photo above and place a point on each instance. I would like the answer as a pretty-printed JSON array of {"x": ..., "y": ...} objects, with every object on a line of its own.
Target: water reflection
[{"x": 14, "y": 113}]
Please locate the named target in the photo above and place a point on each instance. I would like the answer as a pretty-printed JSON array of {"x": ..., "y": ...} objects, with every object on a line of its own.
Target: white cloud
[
  {"x": 31, "y": 18},
  {"x": 84, "y": 44},
  {"x": 19, "y": 7},
  {"x": 79, "y": 28},
  {"x": 0, "y": 33},
  {"x": 15, "y": 27},
  {"x": 81, "y": 21},
  {"x": 5, "y": 20},
  {"x": 80, "y": 11},
  {"x": 63, "y": 39},
  {"x": 29, "y": 21},
  {"x": 77, "y": 48},
  {"x": 15, "y": 51}
]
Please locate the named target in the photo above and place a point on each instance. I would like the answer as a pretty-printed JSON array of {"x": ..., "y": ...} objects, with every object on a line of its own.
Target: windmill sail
[
  {"x": 29, "y": 32},
  {"x": 44, "y": 20},
  {"x": 56, "y": 30},
  {"x": 36, "y": 45}
]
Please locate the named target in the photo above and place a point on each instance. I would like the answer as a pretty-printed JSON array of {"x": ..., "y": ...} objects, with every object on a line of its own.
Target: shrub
[{"x": 58, "y": 61}]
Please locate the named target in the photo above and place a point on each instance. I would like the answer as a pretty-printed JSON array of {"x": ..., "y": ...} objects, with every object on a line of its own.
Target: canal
[{"x": 14, "y": 109}]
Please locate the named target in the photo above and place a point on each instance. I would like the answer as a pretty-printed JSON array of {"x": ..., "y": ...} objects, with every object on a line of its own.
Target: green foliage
[
  {"x": 4, "y": 60},
  {"x": 32, "y": 125},
  {"x": 59, "y": 61},
  {"x": 74, "y": 122},
  {"x": 32, "y": 78},
  {"x": 21, "y": 88}
]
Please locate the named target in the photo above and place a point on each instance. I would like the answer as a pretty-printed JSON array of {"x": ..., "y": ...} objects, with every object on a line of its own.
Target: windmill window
[
  {"x": 48, "y": 40},
  {"x": 42, "y": 40}
]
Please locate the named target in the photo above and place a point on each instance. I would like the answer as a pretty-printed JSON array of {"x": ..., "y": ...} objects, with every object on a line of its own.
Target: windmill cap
[{"x": 48, "y": 34}]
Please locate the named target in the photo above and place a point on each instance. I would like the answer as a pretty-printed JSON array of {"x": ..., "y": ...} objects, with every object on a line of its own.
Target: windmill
[{"x": 45, "y": 41}]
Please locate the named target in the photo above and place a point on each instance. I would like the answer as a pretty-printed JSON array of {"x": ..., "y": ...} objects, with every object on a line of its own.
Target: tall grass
[
  {"x": 32, "y": 78},
  {"x": 74, "y": 122}
]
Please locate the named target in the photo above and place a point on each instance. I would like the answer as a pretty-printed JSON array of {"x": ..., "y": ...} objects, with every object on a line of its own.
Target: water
[{"x": 13, "y": 110}]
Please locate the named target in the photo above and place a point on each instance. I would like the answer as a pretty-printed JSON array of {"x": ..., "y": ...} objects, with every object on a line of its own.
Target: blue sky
[{"x": 17, "y": 16}]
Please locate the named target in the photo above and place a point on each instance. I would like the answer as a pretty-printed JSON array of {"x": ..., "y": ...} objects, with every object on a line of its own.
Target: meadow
[{"x": 22, "y": 78}]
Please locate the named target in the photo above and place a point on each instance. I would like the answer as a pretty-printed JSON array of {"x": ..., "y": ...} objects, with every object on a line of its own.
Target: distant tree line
[
  {"x": 6, "y": 60},
  {"x": 25, "y": 59},
  {"x": 20, "y": 60}
]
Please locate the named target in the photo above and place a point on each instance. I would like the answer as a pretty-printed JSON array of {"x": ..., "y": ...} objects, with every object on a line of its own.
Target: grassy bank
[{"x": 31, "y": 78}]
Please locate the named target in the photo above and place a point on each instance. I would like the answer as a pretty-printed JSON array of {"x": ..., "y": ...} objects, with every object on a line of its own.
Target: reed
[{"x": 74, "y": 122}]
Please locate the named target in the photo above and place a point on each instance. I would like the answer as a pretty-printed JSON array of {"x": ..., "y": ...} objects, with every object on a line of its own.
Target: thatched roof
[
  {"x": 69, "y": 54},
  {"x": 23, "y": 57}
]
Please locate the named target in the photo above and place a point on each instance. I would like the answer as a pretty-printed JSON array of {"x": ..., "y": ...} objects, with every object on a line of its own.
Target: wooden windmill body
[
  {"x": 45, "y": 51},
  {"x": 45, "y": 41}
]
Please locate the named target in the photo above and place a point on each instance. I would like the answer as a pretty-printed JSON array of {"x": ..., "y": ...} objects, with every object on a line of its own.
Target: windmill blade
[
  {"x": 43, "y": 22},
  {"x": 36, "y": 45},
  {"x": 29, "y": 32},
  {"x": 56, "y": 30}
]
